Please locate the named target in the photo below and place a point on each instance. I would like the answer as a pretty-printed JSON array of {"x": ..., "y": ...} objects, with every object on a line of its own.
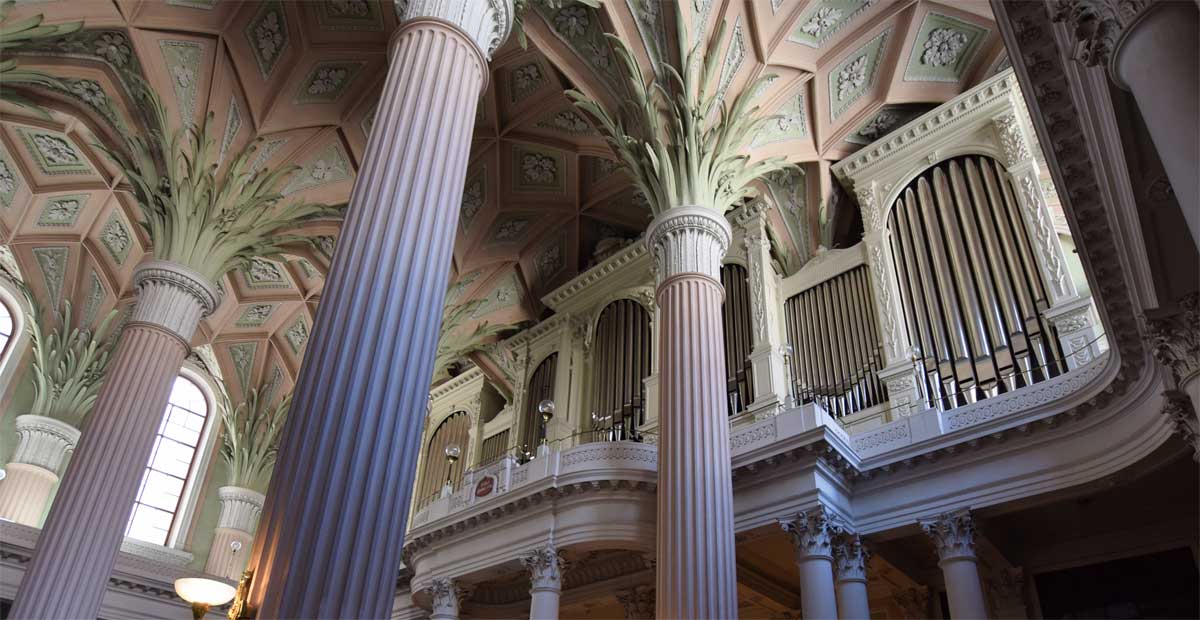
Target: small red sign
[{"x": 484, "y": 487}]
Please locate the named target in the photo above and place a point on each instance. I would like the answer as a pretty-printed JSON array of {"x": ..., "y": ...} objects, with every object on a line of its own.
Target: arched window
[
  {"x": 735, "y": 313},
  {"x": 454, "y": 430},
  {"x": 621, "y": 361},
  {"x": 541, "y": 387},
  {"x": 6, "y": 328},
  {"x": 172, "y": 463}
]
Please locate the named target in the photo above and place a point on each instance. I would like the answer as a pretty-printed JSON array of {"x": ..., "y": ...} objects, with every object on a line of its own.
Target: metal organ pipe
[
  {"x": 970, "y": 288},
  {"x": 621, "y": 363}
]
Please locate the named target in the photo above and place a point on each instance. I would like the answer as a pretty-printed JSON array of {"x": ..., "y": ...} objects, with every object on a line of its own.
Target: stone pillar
[
  {"x": 240, "y": 510},
  {"x": 354, "y": 430},
  {"x": 86, "y": 524},
  {"x": 638, "y": 602},
  {"x": 953, "y": 534},
  {"x": 898, "y": 375},
  {"x": 695, "y": 486},
  {"x": 1149, "y": 47},
  {"x": 447, "y": 596},
  {"x": 850, "y": 559},
  {"x": 766, "y": 357},
  {"x": 545, "y": 567},
  {"x": 42, "y": 445},
  {"x": 812, "y": 534}
]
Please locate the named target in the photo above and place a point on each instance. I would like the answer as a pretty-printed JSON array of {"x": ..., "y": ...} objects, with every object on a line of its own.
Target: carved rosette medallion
[
  {"x": 688, "y": 240},
  {"x": 953, "y": 534},
  {"x": 545, "y": 566}
]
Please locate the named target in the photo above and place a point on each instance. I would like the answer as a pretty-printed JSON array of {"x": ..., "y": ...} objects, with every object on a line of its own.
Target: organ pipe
[
  {"x": 832, "y": 329},
  {"x": 972, "y": 294},
  {"x": 621, "y": 363},
  {"x": 541, "y": 387},
  {"x": 454, "y": 430},
  {"x": 737, "y": 322}
]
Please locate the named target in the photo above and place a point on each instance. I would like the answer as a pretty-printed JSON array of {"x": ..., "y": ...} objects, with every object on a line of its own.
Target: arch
[
  {"x": 453, "y": 430},
  {"x": 887, "y": 202},
  {"x": 621, "y": 361},
  {"x": 17, "y": 339},
  {"x": 167, "y": 491},
  {"x": 739, "y": 339}
]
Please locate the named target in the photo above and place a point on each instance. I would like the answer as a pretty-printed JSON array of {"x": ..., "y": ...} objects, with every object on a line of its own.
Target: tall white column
[
  {"x": 850, "y": 559},
  {"x": 1149, "y": 47},
  {"x": 447, "y": 596},
  {"x": 812, "y": 534},
  {"x": 766, "y": 358},
  {"x": 86, "y": 523},
  {"x": 42, "y": 445},
  {"x": 697, "y": 572},
  {"x": 953, "y": 534},
  {"x": 545, "y": 568},
  {"x": 240, "y": 510},
  {"x": 638, "y": 602},
  {"x": 333, "y": 524}
]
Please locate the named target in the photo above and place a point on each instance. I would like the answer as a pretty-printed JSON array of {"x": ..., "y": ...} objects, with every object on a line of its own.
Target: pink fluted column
[
  {"x": 696, "y": 565},
  {"x": 83, "y": 532},
  {"x": 332, "y": 528}
]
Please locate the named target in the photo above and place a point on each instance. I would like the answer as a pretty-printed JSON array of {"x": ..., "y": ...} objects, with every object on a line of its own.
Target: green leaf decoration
[
  {"x": 250, "y": 442},
  {"x": 211, "y": 223},
  {"x": 14, "y": 35},
  {"x": 68, "y": 362},
  {"x": 453, "y": 344},
  {"x": 676, "y": 136}
]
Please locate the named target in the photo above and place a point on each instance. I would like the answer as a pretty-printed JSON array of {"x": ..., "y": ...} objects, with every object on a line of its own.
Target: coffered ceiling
[{"x": 543, "y": 198}]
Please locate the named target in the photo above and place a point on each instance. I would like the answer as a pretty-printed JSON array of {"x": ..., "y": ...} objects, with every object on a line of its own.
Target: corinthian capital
[
  {"x": 545, "y": 566},
  {"x": 447, "y": 596},
  {"x": 487, "y": 22},
  {"x": 688, "y": 240},
  {"x": 1176, "y": 340},
  {"x": 953, "y": 533},
  {"x": 1179, "y": 409},
  {"x": 813, "y": 533},
  {"x": 850, "y": 557},
  {"x": 1097, "y": 25}
]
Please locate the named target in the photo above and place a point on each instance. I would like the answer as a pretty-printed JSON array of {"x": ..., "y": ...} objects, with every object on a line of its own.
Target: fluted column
[
  {"x": 638, "y": 602},
  {"x": 85, "y": 526},
  {"x": 446, "y": 598},
  {"x": 42, "y": 444},
  {"x": 812, "y": 534},
  {"x": 545, "y": 567},
  {"x": 240, "y": 510},
  {"x": 696, "y": 567},
  {"x": 953, "y": 534},
  {"x": 333, "y": 524},
  {"x": 850, "y": 559}
]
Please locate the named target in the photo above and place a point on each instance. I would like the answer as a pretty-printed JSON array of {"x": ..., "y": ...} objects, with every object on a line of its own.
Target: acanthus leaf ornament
[
  {"x": 545, "y": 566},
  {"x": 952, "y": 533},
  {"x": 1097, "y": 25},
  {"x": 813, "y": 533}
]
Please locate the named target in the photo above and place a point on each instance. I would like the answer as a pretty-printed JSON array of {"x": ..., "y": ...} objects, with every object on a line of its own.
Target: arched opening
[
  {"x": 620, "y": 363},
  {"x": 453, "y": 431},
  {"x": 541, "y": 387},
  {"x": 737, "y": 320}
]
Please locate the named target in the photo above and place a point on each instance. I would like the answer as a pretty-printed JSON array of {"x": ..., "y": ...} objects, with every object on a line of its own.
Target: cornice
[
  {"x": 455, "y": 383},
  {"x": 616, "y": 264}
]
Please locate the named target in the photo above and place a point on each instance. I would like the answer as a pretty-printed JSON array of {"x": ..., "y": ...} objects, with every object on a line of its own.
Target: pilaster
[
  {"x": 1079, "y": 332},
  {"x": 766, "y": 357},
  {"x": 886, "y": 290}
]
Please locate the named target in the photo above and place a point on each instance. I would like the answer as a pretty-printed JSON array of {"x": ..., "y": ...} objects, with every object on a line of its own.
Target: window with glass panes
[
  {"x": 166, "y": 475},
  {"x": 6, "y": 328}
]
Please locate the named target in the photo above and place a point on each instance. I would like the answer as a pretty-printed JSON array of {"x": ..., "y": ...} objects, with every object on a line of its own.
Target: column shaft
[
  {"x": 696, "y": 565},
  {"x": 543, "y": 604},
  {"x": 852, "y": 601},
  {"x": 963, "y": 588},
  {"x": 818, "y": 598},
  {"x": 333, "y": 524},
  {"x": 24, "y": 493},
  {"x": 83, "y": 532}
]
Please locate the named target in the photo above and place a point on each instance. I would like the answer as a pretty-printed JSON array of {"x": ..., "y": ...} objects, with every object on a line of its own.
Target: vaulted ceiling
[{"x": 543, "y": 199}]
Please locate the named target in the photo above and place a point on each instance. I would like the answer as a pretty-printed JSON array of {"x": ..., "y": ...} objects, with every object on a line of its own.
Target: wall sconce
[{"x": 203, "y": 594}]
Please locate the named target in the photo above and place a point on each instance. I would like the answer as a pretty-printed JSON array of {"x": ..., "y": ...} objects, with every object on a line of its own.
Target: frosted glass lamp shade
[{"x": 204, "y": 591}]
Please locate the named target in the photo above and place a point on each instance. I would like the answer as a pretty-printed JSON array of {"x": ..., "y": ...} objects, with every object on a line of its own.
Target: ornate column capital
[
  {"x": 868, "y": 203},
  {"x": 1097, "y": 26},
  {"x": 447, "y": 595},
  {"x": 953, "y": 533},
  {"x": 43, "y": 442},
  {"x": 1178, "y": 407},
  {"x": 172, "y": 296},
  {"x": 240, "y": 508},
  {"x": 1176, "y": 340},
  {"x": 850, "y": 557},
  {"x": 638, "y": 602},
  {"x": 813, "y": 533},
  {"x": 487, "y": 22},
  {"x": 545, "y": 566},
  {"x": 688, "y": 239}
]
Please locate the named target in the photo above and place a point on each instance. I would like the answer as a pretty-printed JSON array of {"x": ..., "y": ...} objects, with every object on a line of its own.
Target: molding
[
  {"x": 173, "y": 297},
  {"x": 688, "y": 240},
  {"x": 43, "y": 442},
  {"x": 487, "y": 22},
  {"x": 620, "y": 270}
]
